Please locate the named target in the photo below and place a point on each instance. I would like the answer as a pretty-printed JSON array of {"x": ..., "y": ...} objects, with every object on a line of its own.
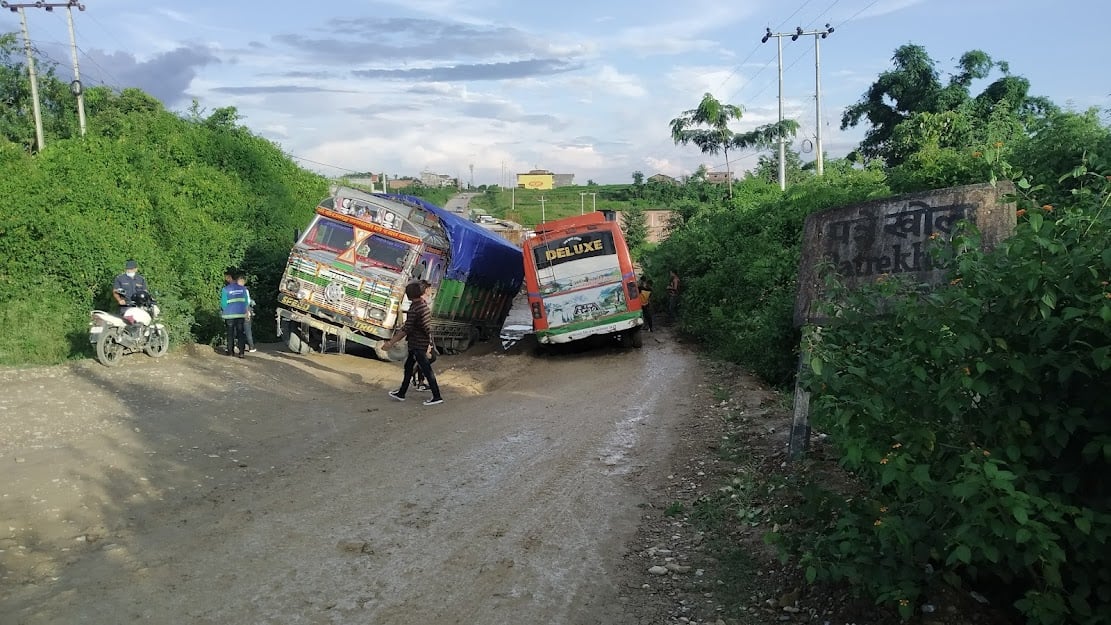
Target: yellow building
[{"x": 536, "y": 179}]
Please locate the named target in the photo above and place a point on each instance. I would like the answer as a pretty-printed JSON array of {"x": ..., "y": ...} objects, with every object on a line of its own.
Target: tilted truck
[{"x": 346, "y": 275}]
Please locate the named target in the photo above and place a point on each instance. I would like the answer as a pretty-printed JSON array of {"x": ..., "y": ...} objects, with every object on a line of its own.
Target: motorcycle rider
[{"x": 127, "y": 284}]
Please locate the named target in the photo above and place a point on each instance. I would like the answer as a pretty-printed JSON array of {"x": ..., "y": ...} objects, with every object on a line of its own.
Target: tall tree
[
  {"x": 912, "y": 91},
  {"x": 708, "y": 128}
]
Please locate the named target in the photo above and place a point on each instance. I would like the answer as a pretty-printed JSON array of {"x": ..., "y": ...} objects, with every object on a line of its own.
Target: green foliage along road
[
  {"x": 185, "y": 196},
  {"x": 973, "y": 422}
]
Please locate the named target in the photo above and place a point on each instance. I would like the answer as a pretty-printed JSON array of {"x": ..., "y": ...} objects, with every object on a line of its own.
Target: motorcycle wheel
[
  {"x": 158, "y": 343},
  {"x": 108, "y": 349}
]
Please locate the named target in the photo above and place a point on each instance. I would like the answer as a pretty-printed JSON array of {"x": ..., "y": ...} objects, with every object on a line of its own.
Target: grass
[{"x": 523, "y": 205}]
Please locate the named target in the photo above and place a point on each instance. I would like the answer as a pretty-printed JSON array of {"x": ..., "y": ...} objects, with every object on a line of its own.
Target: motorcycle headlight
[
  {"x": 293, "y": 285},
  {"x": 154, "y": 310}
]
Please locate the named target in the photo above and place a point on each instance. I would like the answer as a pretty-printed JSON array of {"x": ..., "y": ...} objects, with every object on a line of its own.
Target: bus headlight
[
  {"x": 377, "y": 314},
  {"x": 293, "y": 285},
  {"x": 303, "y": 294}
]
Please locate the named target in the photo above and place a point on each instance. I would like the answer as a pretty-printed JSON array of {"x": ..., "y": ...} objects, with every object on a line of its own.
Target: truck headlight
[
  {"x": 377, "y": 314},
  {"x": 293, "y": 285}
]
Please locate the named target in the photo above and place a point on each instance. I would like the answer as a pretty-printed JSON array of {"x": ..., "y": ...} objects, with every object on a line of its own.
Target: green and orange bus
[{"x": 581, "y": 282}]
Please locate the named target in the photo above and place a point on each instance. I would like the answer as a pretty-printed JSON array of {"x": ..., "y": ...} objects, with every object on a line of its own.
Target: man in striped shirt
[{"x": 418, "y": 333}]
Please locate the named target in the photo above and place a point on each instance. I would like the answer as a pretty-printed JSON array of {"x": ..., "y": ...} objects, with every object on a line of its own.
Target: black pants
[
  {"x": 236, "y": 335},
  {"x": 647, "y": 312},
  {"x": 419, "y": 359}
]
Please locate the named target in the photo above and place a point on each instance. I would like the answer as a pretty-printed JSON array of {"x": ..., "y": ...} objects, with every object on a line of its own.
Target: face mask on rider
[{"x": 130, "y": 274}]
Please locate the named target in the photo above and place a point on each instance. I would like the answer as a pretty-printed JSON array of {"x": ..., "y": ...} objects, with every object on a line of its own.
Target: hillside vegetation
[{"x": 184, "y": 196}]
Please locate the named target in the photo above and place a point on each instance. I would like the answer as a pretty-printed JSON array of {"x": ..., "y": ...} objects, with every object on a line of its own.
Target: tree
[
  {"x": 708, "y": 128},
  {"x": 912, "y": 92},
  {"x": 767, "y": 167},
  {"x": 634, "y": 225}
]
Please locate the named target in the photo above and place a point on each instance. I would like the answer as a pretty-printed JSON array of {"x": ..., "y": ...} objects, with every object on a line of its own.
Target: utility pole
[
  {"x": 768, "y": 34},
  {"x": 594, "y": 200},
  {"x": 31, "y": 72},
  {"x": 543, "y": 218},
  {"x": 75, "y": 86},
  {"x": 818, "y": 36}
]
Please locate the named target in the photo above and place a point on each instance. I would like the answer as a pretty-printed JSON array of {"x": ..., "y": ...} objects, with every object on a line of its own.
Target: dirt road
[{"x": 283, "y": 489}]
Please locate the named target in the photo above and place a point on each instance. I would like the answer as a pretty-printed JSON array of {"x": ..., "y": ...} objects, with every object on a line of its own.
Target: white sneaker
[
  {"x": 433, "y": 401},
  {"x": 396, "y": 396}
]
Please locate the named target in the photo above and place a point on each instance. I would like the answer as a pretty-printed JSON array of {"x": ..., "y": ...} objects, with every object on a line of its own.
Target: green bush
[
  {"x": 185, "y": 197},
  {"x": 975, "y": 418},
  {"x": 739, "y": 266}
]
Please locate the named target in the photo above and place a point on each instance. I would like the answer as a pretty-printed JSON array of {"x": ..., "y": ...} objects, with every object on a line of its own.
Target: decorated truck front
[{"x": 346, "y": 275}]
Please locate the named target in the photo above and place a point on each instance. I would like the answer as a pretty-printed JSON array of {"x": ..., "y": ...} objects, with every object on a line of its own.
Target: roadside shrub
[
  {"x": 185, "y": 197},
  {"x": 739, "y": 266},
  {"x": 976, "y": 419}
]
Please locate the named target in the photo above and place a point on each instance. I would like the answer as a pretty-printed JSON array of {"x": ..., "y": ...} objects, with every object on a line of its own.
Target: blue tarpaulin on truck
[{"x": 478, "y": 256}]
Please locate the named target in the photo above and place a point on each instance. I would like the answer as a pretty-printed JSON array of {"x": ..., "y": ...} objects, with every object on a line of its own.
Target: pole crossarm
[
  {"x": 49, "y": 6},
  {"x": 818, "y": 34}
]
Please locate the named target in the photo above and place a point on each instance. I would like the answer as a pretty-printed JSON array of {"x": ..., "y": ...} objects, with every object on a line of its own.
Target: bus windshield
[{"x": 576, "y": 262}]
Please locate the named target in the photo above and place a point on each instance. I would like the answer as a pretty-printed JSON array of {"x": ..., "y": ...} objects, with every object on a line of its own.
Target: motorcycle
[{"x": 136, "y": 330}]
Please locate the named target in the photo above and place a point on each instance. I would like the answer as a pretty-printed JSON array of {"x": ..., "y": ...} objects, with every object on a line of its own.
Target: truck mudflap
[
  {"x": 342, "y": 334},
  {"x": 628, "y": 321}
]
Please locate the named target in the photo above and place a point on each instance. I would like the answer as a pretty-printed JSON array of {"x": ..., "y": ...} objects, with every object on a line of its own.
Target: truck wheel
[{"x": 296, "y": 343}]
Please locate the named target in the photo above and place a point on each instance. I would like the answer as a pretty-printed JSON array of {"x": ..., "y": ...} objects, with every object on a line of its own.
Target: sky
[{"x": 587, "y": 88}]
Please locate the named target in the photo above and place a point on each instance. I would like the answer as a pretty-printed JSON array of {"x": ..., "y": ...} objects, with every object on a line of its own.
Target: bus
[
  {"x": 346, "y": 274},
  {"x": 580, "y": 281}
]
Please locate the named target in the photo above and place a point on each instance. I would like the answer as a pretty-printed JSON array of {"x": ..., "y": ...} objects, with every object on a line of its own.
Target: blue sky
[{"x": 575, "y": 87}]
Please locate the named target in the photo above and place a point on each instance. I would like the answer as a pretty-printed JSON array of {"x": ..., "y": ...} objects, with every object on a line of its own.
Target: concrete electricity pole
[
  {"x": 768, "y": 34},
  {"x": 818, "y": 36},
  {"x": 76, "y": 86},
  {"x": 582, "y": 202},
  {"x": 543, "y": 219}
]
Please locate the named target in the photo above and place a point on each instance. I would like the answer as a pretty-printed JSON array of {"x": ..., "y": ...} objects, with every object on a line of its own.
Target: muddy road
[{"x": 284, "y": 489}]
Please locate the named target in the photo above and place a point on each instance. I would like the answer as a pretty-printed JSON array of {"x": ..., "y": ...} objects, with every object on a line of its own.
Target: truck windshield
[
  {"x": 383, "y": 252},
  {"x": 330, "y": 235}
]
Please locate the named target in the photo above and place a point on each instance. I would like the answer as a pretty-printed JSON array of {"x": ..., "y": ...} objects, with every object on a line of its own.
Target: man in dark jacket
[
  {"x": 127, "y": 284},
  {"x": 234, "y": 304},
  {"x": 418, "y": 333}
]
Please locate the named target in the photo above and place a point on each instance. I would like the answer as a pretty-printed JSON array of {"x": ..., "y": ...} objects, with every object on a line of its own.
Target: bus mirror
[{"x": 296, "y": 235}]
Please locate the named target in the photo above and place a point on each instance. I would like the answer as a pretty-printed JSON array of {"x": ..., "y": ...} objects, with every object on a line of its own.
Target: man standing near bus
[{"x": 673, "y": 296}]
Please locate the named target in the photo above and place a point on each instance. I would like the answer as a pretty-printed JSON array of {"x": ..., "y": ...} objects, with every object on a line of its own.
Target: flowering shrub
[{"x": 978, "y": 420}]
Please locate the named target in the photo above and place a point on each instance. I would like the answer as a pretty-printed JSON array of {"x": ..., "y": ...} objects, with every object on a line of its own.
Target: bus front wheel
[{"x": 634, "y": 338}]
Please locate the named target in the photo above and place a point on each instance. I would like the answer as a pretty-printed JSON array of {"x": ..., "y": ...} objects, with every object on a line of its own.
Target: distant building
[
  {"x": 719, "y": 177},
  {"x": 657, "y": 220},
  {"x": 536, "y": 179},
  {"x": 402, "y": 183},
  {"x": 366, "y": 181},
  {"x": 663, "y": 179},
  {"x": 434, "y": 180},
  {"x": 563, "y": 180}
]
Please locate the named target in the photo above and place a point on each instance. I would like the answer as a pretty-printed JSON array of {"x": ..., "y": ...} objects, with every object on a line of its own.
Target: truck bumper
[
  {"x": 549, "y": 337},
  {"x": 342, "y": 333}
]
